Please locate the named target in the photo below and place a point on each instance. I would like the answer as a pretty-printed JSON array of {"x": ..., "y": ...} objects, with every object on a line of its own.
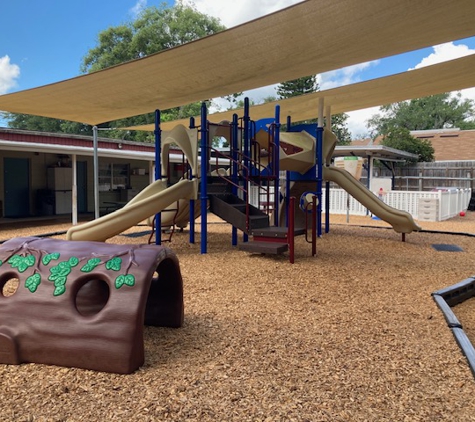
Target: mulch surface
[{"x": 352, "y": 334}]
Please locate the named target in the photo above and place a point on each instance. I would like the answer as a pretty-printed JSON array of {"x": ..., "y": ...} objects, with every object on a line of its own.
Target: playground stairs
[
  {"x": 270, "y": 240},
  {"x": 266, "y": 239},
  {"x": 232, "y": 209}
]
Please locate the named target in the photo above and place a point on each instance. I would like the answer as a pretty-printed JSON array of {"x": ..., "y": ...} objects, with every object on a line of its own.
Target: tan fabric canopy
[
  {"x": 311, "y": 37},
  {"x": 444, "y": 77}
]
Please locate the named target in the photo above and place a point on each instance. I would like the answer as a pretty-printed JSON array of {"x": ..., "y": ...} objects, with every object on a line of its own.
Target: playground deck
[{"x": 350, "y": 335}]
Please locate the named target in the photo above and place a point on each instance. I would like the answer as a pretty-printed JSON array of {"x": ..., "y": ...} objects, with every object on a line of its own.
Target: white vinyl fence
[{"x": 435, "y": 205}]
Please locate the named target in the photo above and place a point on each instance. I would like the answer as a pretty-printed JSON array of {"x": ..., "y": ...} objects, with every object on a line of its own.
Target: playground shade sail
[
  {"x": 444, "y": 77},
  {"x": 310, "y": 37}
]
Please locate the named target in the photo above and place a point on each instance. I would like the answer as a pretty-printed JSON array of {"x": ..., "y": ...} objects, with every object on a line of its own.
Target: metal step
[
  {"x": 275, "y": 248},
  {"x": 276, "y": 232}
]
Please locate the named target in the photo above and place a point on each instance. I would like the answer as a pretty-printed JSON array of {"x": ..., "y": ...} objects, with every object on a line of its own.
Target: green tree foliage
[
  {"x": 45, "y": 124},
  {"x": 400, "y": 138},
  {"x": 433, "y": 112},
  {"x": 156, "y": 29},
  {"x": 307, "y": 85},
  {"x": 340, "y": 128},
  {"x": 295, "y": 87}
]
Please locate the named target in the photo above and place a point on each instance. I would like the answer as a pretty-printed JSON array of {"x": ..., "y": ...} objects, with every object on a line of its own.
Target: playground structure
[
  {"x": 84, "y": 304},
  {"x": 259, "y": 154}
]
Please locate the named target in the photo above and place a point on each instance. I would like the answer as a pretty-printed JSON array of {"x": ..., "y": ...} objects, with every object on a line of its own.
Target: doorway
[
  {"x": 82, "y": 186},
  {"x": 16, "y": 176}
]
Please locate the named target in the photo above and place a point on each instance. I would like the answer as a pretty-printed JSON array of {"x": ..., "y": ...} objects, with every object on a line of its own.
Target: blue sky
[{"x": 43, "y": 42}]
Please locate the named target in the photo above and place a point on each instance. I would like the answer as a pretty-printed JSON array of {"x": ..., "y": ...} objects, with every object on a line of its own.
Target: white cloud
[
  {"x": 443, "y": 53},
  {"x": 138, "y": 7},
  {"x": 9, "y": 73},
  {"x": 232, "y": 13},
  {"x": 357, "y": 122},
  {"x": 345, "y": 76}
]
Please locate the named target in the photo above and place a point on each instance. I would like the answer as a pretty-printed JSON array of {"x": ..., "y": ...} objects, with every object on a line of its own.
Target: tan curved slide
[
  {"x": 179, "y": 214},
  {"x": 401, "y": 221},
  {"x": 153, "y": 199}
]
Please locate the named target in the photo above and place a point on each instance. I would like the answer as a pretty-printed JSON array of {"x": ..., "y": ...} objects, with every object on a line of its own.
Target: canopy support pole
[{"x": 96, "y": 174}]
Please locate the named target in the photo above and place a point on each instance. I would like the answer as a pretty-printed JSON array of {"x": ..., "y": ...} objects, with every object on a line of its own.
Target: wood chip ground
[{"x": 350, "y": 335}]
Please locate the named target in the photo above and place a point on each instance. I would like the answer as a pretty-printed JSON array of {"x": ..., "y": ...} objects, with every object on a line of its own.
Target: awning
[
  {"x": 311, "y": 37},
  {"x": 379, "y": 152}
]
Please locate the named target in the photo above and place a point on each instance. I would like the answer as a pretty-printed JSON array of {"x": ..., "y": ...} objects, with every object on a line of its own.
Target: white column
[
  {"x": 96, "y": 174},
  {"x": 328, "y": 116},
  {"x": 75, "y": 191},
  {"x": 321, "y": 102}
]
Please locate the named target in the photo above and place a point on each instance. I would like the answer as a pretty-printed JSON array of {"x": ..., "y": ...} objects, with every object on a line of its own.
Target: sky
[{"x": 43, "y": 42}]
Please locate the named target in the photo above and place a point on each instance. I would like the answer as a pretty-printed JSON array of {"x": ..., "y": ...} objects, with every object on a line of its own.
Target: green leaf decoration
[
  {"x": 59, "y": 290},
  {"x": 49, "y": 257},
  {"x": 1, "y": 262},
  {"x": 22, "y": 262},
  {"x": 32, "y": 282},
  {"x": 30, "y": 260},
  {"x": 90, "y": 265},
  {"x": 61, "y": 270},
  {"x": 73, "y": 261},
  {"x": 130, "y": 280},
  {"x": 59, "y": 275},
  {"x": 119, "y": 281},
  {"x": 60, "y": 281},
  {"x": 114, "y": 264},
  {"x": 122, "y": 279}
]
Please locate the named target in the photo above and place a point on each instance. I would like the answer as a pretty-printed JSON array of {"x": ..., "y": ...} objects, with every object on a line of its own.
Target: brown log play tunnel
[{"x": 84, "y": 304}]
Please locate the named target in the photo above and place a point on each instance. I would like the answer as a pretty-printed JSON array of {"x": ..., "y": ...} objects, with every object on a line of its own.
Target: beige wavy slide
[
  {"x": 153, "y": 199},
  {"x": 401, "y": 221}
]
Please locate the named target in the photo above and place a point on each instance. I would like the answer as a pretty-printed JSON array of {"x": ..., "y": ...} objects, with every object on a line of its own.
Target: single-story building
[{"x": 37, "y": 174}]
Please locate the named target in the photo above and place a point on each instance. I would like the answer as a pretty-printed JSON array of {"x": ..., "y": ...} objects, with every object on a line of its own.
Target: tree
[
  {"x": 400, "y": 138},
  {"x": 307, "y": 85},
  {"x": 433, "y": 112},
  {"x": 295, "y": 87},
  {"x": 340, "y": 129},
  {"x": 156, "y": 29},
  {"x": 45, "y": 124}
]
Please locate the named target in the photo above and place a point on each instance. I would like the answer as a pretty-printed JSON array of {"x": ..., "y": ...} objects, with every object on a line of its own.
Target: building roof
[
  {"x": 311, "y": 37},
  {"x": 61, "y": 143},
  {"x": 376, "y": 151}
]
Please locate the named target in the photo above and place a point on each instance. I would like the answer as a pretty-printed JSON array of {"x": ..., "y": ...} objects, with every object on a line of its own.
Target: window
[{"x": 113, "y": 176}]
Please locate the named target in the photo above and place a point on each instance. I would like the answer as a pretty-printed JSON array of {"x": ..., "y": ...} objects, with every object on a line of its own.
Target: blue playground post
[
  {"x": 158, "y": 173},
  {"x": 234, "y": 168},
  {"x": 276, "y": 165},
  {"x": 204, "y": 177},
  {"x": 192, "y": 201},
  {"x": 245, "y": 174},
  {"x": 319, "y": 178}
]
